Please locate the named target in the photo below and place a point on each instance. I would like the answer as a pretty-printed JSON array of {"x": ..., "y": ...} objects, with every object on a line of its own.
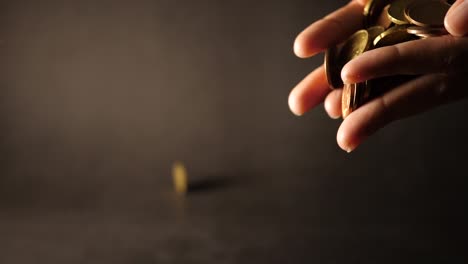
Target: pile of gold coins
[{"x": 386, "y": 22}]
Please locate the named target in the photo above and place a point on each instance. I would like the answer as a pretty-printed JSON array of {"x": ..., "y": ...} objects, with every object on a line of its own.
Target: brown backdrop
[{"x": 98, "y": 98}]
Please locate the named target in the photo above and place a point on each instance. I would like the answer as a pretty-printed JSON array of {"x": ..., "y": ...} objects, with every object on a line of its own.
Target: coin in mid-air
[
  {"x": 427, "y": 13},
  {"x": 179, "y": 177}
]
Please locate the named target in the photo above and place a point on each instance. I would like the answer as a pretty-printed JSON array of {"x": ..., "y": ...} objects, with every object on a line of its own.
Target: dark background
[{"x": 99, "y": 98}]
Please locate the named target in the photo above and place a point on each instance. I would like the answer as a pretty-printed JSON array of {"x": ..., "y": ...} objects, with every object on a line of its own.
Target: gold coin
[
  {"x": 425, "y": 36},
  {"x": 374, "y": 32},
  {"x": 357, "y": 44},
  {"x": 427, "y": 13},
  {"x": 180, "y": 177},
  {"x": 396, "y": 12},
  {"x": 372, "y": 11},
  {"x": 427, "y": 31},
  {"x": 394, "y": 35},
  {"x": 347, "y": 99},
  {"x": 333, "y": 67},
  {"x": 354, "y": 95},
  {"x": 383, "y": 20}
]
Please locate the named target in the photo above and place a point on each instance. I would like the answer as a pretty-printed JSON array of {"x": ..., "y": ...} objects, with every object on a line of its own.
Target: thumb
[{"x": 456, "y": 20}]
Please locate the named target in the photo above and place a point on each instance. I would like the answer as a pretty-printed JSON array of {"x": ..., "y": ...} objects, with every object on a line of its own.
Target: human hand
[{"x": 439, "y": 62}]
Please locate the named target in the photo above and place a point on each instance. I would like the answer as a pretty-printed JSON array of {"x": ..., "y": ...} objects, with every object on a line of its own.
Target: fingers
[
  {"x": 456, "y": 20},
  {"x": 410, "y": 98},
  {"x": 332, "y": 103},
  {"x": 330, "y": 30},
  {"x": 445, "y": 54},
  {"x": 309, "y": 92}
]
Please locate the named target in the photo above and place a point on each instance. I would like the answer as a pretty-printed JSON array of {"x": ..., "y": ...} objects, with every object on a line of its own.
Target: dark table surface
[{"x": 99, "y": 98}]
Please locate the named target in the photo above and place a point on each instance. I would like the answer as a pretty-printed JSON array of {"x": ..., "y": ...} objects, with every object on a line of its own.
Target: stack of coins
[{"x": 386, "y": 22}]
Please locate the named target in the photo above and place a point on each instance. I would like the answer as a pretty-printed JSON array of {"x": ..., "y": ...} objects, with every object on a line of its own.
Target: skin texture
[{"x": 441, "y": 75}]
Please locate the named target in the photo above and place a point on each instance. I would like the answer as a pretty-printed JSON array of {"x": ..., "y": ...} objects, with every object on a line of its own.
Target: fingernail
[
  {"x": 297, "y": 48},
  {"x": 456, "y": 20},
  {"x": 293, "y": 106},
  {"x": 350, "y": 148},
  {"x": 344, "y": 143}
]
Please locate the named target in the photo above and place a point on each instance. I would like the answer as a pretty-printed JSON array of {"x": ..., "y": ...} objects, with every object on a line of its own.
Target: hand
[{"x": 441, "y": 63}]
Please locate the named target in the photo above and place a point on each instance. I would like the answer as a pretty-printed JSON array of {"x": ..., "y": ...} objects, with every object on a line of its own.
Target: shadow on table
[{"x": 212, "y": 183}]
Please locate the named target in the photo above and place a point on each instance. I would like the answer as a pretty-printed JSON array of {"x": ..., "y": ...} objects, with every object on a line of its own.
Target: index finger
[
  {"x": 330, "y": 30},
  {"x": 446, "y": 54}
]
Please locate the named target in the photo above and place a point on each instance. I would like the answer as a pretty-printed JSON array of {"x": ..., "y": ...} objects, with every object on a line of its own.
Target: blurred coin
[
  {"x": 180, "y": 177},
  {"x": 427, "y": 13},
  {"x": 396, "y": 12},
  {"x": 333, "y": 67},
  {"x": 392, "y": 36},
  {"x": 372, "y": 11}
]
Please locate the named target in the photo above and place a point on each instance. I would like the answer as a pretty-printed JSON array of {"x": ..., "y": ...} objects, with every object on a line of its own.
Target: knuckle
[{"x": 386, "y": 114}]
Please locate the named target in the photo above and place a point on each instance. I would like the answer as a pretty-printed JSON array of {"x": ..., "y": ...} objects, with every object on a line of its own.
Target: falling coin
[{"x": 180, "y": 177}]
